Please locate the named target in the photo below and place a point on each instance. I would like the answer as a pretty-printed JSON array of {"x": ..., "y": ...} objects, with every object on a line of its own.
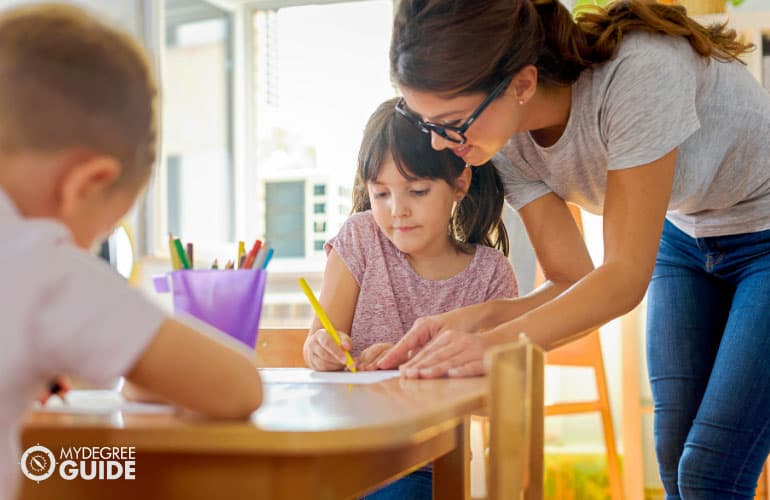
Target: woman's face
[{"x": 486, "y": 135}]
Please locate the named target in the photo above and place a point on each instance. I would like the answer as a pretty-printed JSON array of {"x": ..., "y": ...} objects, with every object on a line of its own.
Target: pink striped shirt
[{"x": 393, "y": 295}]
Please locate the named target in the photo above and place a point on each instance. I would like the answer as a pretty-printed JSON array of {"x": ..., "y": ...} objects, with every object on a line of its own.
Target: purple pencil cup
[{"x": 230, "y": 301}]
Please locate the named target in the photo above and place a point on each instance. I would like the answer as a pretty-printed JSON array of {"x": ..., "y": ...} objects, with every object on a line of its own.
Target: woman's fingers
[
  {"x": 423, "y": 330},
  {"x": 428, "y": 352},
  {"x": 452, "y": 353},
  {"x": 473, "y": 368}
]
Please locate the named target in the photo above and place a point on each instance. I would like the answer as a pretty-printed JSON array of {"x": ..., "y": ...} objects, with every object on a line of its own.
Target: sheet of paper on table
[
  {"x": 308, "y": 376},
  {"x": 100, "y": 402}
]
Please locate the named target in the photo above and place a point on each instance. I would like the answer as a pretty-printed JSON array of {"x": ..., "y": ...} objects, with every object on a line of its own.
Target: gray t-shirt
[{"x": 654, "y": 95}]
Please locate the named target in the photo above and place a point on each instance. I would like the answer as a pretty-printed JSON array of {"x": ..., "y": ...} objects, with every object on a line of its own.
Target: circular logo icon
[{"x": 37, "y": 463}]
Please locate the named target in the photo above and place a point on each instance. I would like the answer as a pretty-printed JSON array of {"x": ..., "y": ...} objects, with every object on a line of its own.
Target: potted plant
[{"x": 694, "y": 7}]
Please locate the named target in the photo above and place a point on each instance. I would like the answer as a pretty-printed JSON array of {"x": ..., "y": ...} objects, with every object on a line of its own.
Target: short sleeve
[
  {"x": 352, "y": 242},
  {"x": 504, "y": 284},
  {"x": 648, "y": 108},
  {"x": 90, "y": 323},
  {"x": 521, "y": 185}
]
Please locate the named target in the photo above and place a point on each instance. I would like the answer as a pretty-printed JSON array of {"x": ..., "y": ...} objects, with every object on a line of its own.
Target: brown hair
[
  {"x": 67, "y": 80},
  {"x": 476, "y": 219},
  {"x": 465, "y": 46}
]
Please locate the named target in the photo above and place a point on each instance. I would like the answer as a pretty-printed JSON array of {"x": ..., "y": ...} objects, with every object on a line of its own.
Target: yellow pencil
[
  {"x": 325, "y": 321},
  {"x": 241, "y": 253},
  {"x": 176, "y": 262}
]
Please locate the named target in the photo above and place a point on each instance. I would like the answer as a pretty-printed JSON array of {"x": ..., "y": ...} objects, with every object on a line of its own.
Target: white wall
[{"x": 125, "y": 13}]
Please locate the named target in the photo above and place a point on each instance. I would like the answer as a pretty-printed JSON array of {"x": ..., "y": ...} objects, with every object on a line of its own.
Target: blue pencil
[{"x": 268, "y": 256}]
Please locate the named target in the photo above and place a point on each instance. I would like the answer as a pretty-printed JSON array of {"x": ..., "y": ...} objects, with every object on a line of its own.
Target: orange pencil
[{"x": 249, "y": 260}]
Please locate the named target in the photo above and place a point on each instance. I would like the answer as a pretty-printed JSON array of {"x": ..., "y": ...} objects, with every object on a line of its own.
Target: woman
[{"x": 644, "y": 116}]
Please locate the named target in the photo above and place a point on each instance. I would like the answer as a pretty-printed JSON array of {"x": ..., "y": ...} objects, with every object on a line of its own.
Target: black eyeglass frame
[{"x": 441, "y": 130}]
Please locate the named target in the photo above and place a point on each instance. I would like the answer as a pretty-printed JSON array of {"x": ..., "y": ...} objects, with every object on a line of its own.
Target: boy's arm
[{"x": 190, "y": 369}]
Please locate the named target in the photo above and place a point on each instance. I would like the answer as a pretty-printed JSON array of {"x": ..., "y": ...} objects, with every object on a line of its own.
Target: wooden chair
[
  {"x": 587, "y": 352},
  {"x": 280, "y": 347},
  {"x": 516, "y": 421}
]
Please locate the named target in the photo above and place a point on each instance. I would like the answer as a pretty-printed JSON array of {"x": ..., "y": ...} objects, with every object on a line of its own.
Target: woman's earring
[{"x": 521, "y": 101}]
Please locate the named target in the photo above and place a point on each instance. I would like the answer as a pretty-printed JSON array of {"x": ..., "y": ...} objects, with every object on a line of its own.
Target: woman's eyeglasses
[{"x": 448, "y": 132}]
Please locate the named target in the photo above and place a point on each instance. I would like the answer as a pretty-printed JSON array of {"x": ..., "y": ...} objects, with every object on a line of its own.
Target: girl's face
[
  {"x": 486, "y": 135},
  {"x": 414, "y": 214}
]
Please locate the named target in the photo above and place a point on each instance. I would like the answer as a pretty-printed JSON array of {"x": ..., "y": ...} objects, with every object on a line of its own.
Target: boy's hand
[
  {"x": 57, "y": 387},
  {"x": 132, "y": 392},
  {"x": 323, "y": 354},
  {"x": 368, "y": 359}
]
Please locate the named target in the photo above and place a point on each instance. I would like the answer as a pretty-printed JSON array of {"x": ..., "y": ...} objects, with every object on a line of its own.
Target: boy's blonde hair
[{"x": 67, "y": 80}]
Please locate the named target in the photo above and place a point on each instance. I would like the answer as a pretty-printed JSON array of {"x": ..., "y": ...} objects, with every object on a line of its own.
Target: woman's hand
[
  {"x": 423, "y": 330},
  {"x": 368, "y": 359},
  {"x": 323, "y": 354},
  {"x": 450, "y": 353}
]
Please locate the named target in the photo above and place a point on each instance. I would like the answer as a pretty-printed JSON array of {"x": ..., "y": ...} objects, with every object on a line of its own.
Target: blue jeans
[
  {"x": 708, "y": 353},
  {"x": 416, "y": 486}
]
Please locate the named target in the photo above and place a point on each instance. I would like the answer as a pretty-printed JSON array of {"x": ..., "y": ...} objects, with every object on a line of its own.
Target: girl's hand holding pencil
[
  {"x": 341, "y": 342},
  {"x": 323, "y": 354}
]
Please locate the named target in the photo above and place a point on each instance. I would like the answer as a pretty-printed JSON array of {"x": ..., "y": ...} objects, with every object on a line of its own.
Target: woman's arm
[
  {"x": 559, "y": 248},
  {"x": 561, "y": 252},
  {"x": 338, "y": 297},
  {"x": 635, "y": 206},
  {"x": 573, "y": 301}
]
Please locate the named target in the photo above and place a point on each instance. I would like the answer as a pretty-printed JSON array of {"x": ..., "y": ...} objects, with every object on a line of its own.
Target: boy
[{"x": 77, "y": 142}]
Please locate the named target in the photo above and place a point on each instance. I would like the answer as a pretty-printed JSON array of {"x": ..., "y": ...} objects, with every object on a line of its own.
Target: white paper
[
  {"x": 99, "y": 402},
  {"x": 308, "y": 376}
]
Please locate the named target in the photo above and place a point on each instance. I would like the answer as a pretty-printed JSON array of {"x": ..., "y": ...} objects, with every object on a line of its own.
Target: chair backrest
[
  {"x": 280, "y": 347},
  {"x": 585, "y": 351},
  {"x": 516, "y": 421}
]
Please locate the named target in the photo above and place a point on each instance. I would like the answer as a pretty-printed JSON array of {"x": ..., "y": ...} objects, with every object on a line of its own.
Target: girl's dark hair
[
  {"x": 476, "y": 219},
  {"x": 464, "y": 46}
]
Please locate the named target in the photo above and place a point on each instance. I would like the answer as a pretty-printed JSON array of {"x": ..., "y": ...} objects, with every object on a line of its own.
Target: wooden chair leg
[
  {"x": 766, "y": 472},
  {"x": 613, "y": 462},
  {"x": 763, "y": 485}
]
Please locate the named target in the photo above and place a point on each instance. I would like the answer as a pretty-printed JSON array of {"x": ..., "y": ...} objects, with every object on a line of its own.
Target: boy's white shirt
[{"x": 62, "y": 311}]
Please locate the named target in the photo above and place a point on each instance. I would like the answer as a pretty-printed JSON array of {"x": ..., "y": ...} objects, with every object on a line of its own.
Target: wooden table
[{"x": 307, "y": 441}]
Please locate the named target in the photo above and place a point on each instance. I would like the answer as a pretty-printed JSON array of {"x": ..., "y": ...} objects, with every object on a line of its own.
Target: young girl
[
  {"x": 420, "y": 241},
  {"x": 77, "y": 144}
]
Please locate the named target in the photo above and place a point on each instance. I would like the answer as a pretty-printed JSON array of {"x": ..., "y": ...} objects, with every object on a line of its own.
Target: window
[
  {"x": 261, "y": 128},
  {"x": 319, "y": 72},
  {"x": 285, "y": 221},
  {"x": 197, "y": 121}
]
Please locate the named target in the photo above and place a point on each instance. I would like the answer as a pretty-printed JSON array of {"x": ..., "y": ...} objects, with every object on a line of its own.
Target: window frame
[{"x": 245, "y": 182}]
